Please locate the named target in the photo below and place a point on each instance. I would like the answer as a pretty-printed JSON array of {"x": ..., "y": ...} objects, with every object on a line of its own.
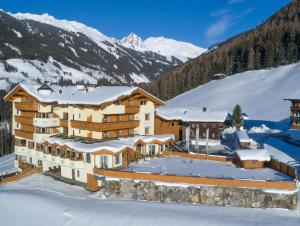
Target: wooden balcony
[
  {"x": 23, "y": 134},
  {"x": 27, "y": 128},
  {"x": 107, "y": 126},
  {"x": 132, "y": 109},
  {"x": 295, "y": 127},
  {"x": 24, "y": 120},
  {"x": 64, "y": 123},
  {"x": 27, "y": 106},
  {"x": 28, "y": 114}
]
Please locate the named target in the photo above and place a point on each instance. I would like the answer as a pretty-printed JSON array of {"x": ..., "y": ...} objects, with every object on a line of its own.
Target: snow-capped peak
[
  {"x": 133, "y": 41},
  {"x": 170, "y": 47},
  {"x": 163, "y": 46}
]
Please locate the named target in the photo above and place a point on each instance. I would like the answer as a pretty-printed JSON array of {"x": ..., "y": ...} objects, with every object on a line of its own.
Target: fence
[
  {"x": 203, "y": 156},
  {"x": 197, "y": 180},
  {"x": 25, "y": 173},
  {"x": 284, "y": 168}
]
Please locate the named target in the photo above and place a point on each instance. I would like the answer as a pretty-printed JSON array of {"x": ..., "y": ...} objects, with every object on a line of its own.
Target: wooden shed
[{"x": 253, "y": 158}]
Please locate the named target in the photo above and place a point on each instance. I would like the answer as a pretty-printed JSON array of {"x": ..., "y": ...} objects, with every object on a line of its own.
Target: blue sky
[{"x": 201, "y": 22}]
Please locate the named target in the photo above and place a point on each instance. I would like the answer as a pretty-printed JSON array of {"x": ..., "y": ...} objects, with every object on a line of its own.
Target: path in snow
[{"x": 32, "y": 207}]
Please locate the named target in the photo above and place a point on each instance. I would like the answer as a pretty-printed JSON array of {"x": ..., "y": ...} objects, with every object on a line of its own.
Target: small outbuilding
[
  {"x": 218, "y": 76},
  {"x": 252, "y": 158},
  {"x": 243, "y": 139}
]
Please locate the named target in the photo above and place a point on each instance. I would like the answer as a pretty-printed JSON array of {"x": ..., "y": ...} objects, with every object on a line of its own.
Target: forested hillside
[
  {"x": 5, "y": 125},
  {"x": 273, "y": 43}
]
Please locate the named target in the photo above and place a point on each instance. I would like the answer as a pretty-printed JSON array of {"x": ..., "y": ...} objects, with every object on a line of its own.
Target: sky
[{"x": 201, "y": 22}]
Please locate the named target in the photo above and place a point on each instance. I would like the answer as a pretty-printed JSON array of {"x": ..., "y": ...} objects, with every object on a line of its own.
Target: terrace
[{"x": 178, "y": 166}]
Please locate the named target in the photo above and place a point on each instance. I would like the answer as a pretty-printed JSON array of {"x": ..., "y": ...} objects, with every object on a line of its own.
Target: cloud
[
  {"x": 230, "y": 2},
  {"x": 224, "y": 21},
  {"x": 219, "y": 12},
  {"x": 218, "y": 28}
]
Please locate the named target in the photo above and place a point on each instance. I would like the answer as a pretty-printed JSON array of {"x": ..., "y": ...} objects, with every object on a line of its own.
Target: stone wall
[{"x": 198, "y": 194}]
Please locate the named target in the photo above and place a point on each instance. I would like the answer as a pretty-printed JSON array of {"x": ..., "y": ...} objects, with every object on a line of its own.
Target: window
[
  {"x": 147, "y": 130},
  {"x": 65, "y": 116},
  {"x": 117, "y": 159},
  {"x": 79, "y": 115},
  {"x": 73, "y": 132},
  {"x": 131, "y": 117},
  {"x": 106, "y": 134},
  {"x": 17, "y": 125},
  {"x": 88, "y": 158},
  {"x": 143, "y": 102},
  {"x": 78, "y": 173},
  {"x": 79, "y": 131},
  {"x": 106, "y": 118},
  {"x": 18, "y": 112},
  {"x": 130, "y": 131},
  {"x": 30, "y": 144},
  {"x": 147, "y": 116},
  {"x": 73, "y": 117},
  {"x": 119, "y": 133},
  {"x": 119, "y": 117},
  {"x": 161, "y": 148}
]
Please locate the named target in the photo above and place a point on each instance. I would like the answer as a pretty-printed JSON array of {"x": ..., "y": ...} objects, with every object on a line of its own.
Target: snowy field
[
  {"x": 7, "y": 165},
  {"x": 204, "y": 168},
  {"x": 260, "y": 93},
  {"x": 40, "y": 200}
]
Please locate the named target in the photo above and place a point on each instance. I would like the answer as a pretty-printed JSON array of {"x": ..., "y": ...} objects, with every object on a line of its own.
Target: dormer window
[
  {"x": 45, "y": 89},
  {"x": 143, "y": 102}
]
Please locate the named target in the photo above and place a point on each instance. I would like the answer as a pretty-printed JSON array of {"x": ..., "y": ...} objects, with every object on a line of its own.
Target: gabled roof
[
  {"x": 113, "y": 146},
  {"x": 255, "y": 154},
  {"x": 294, "y": 96},
  {"x": 90, "y": 96},
  {"x": 45, "y": 86}
]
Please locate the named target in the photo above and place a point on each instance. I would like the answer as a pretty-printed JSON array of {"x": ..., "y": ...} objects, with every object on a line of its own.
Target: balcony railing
[
  {"x": 132, "y": 109},
  {"x": 46, "y": 122},
  {"x": 108, "y": 126},
  {"x": 27, "y": 106},
  {"x": 24, "y": 120},
  {"x": 63, "y": 123},
  {"x": 24, "y": 134}
]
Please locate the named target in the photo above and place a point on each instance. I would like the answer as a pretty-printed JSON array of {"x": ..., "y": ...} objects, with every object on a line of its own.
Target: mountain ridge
[{"x": 41, "y": 46}]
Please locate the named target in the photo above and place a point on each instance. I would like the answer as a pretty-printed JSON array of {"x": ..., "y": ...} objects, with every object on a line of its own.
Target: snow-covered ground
[
  {"x": 260, "y": 93},
  {"x": 40, "y": 200},
  {"x": 7, "y": 165},
  {"x": 204, "y": 168}
]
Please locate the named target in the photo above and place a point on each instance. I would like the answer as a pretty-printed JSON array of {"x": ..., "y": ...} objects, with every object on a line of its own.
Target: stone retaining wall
[{"x": 198, "y": 194}]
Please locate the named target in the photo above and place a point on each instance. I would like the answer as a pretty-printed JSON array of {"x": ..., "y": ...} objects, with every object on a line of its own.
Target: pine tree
[{"x": 237, "y": 117}]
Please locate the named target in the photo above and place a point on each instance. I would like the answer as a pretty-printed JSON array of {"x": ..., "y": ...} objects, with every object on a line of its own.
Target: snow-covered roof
[
  {"x": 253, "y": 154},
  {"x": 73, "y": 95},
  {"x": 243, "y": 136},
  {"x": 294, "y": 96},
  {"x": 114, "y": 146},
  {"x": 191, "y": 114}
]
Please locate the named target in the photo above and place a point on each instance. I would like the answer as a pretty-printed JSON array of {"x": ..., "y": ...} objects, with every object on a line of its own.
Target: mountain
[
  {"x": 260, "y": 93},
  {"x": 273, "y": 43},
  {"x": 163, "y": 46},
  {"x": 41, "y": 47}
]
